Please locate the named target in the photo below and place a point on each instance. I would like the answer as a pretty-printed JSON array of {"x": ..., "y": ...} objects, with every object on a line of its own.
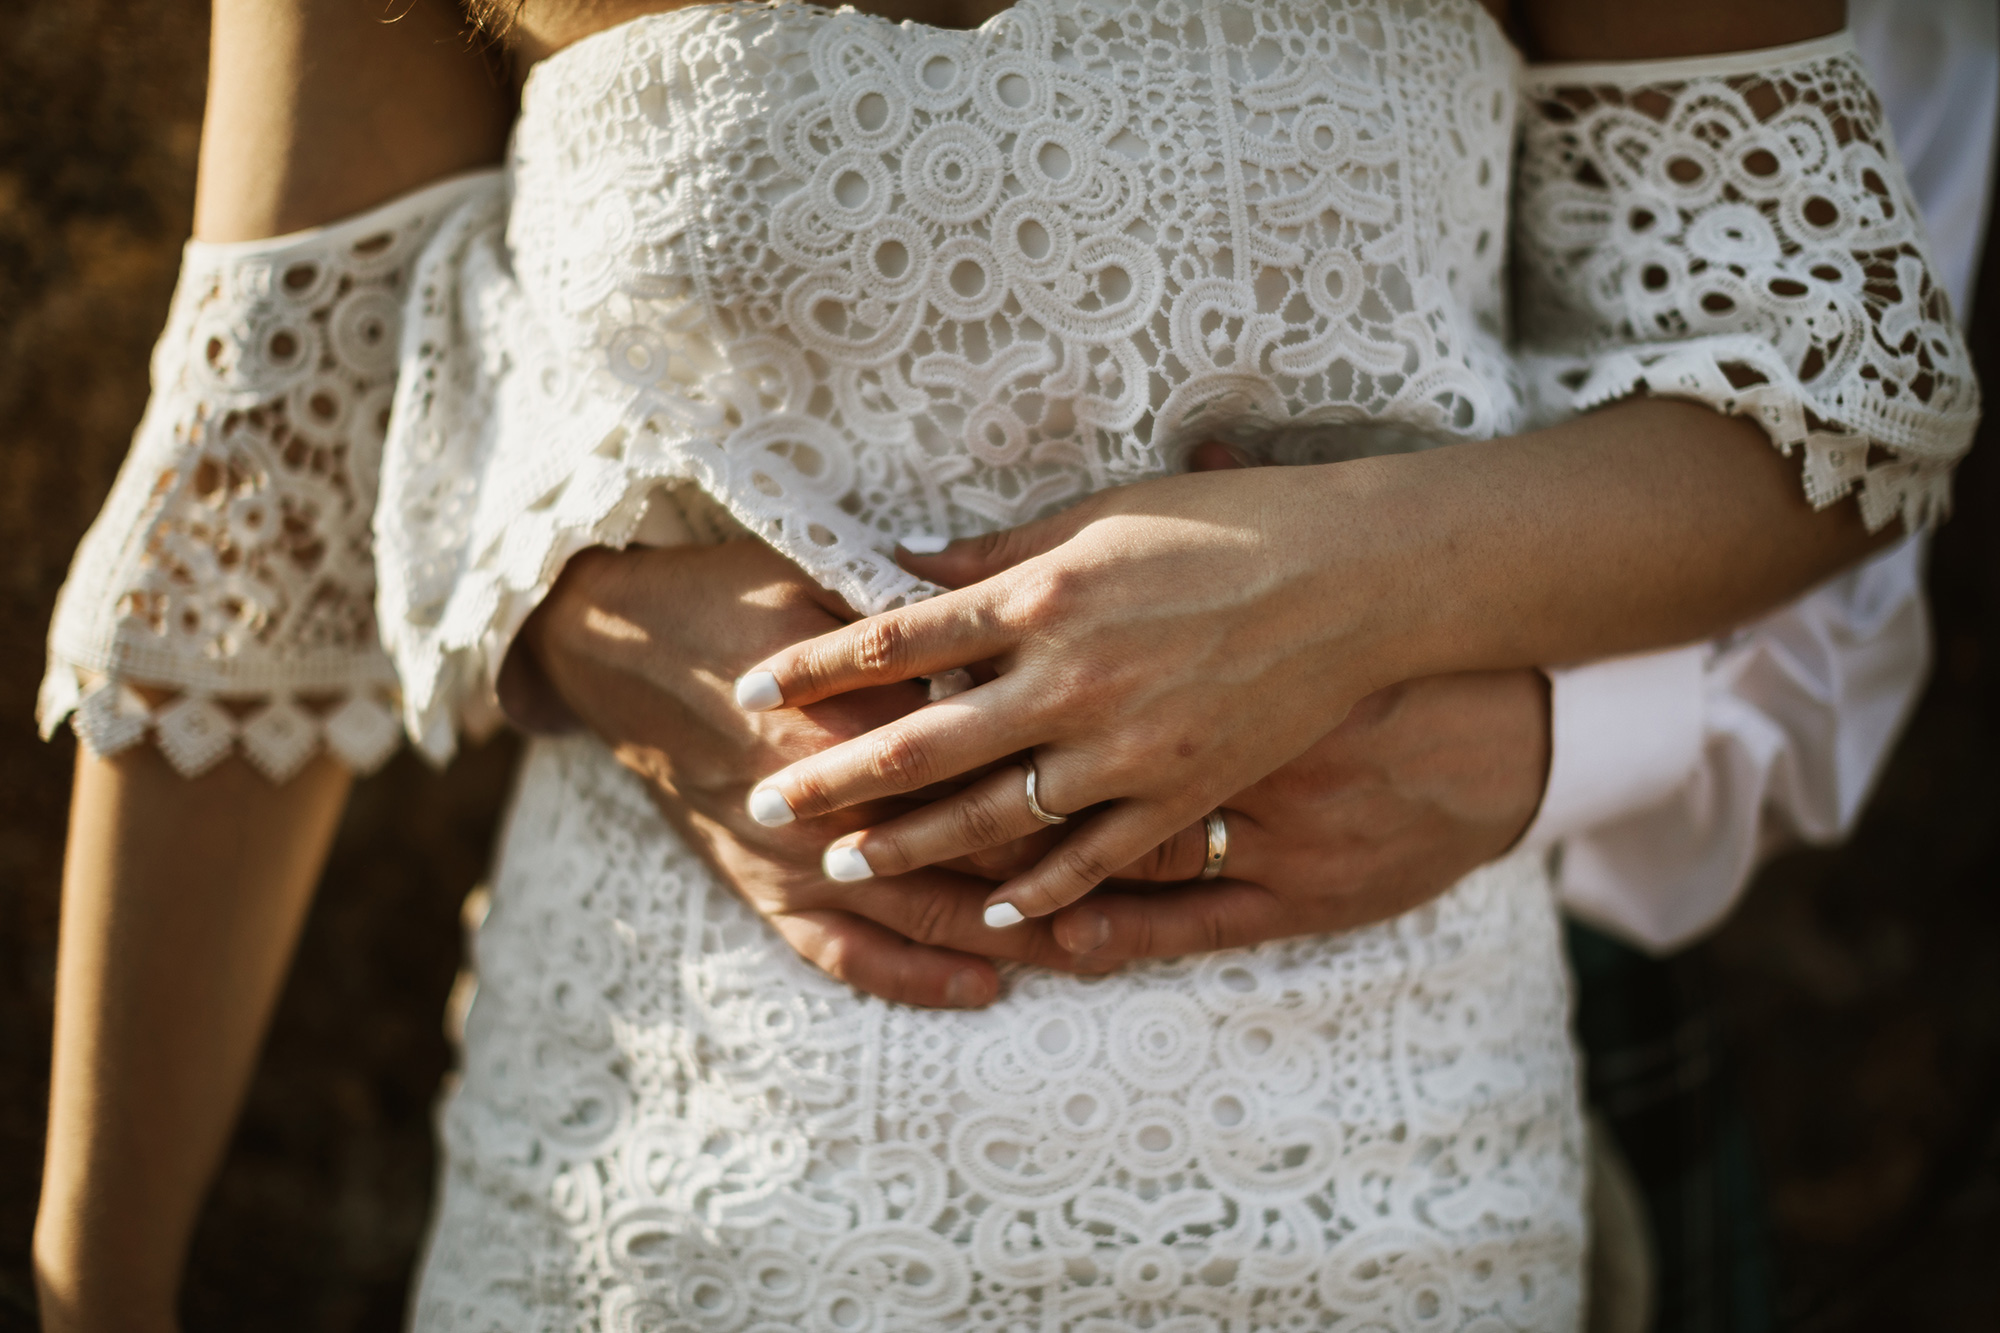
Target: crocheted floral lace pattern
[
  {"x": 1737, "y": 231},
  {"x": 668, "y": 1121},
  {"x": 225, "y": 597},
  {"x": 859, "y": 279}
]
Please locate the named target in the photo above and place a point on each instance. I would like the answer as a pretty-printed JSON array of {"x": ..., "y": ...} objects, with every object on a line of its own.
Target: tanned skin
[{"x": 183, "y": 898}]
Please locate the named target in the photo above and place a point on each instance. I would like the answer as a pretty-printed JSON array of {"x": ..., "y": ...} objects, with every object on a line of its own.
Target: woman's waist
[
  {"x": 581, "y": 821},
  {"x": 628, "y": 998}
]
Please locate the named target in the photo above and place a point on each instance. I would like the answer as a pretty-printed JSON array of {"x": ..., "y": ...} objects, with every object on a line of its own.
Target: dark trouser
[{"x": 1655, "y": 1071}]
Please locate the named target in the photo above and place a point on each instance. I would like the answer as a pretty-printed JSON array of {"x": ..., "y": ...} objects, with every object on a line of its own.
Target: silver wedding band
[
  {"x": 1035, "y": 806},
  {"x": 1217, "y": 830}
]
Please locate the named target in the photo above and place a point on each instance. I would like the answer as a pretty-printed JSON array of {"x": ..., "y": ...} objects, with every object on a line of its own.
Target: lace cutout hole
[
  {"x": 968, "y": 279},
  {"x": 1685, "y": 171},
  {"x": 852, "y": 191}
]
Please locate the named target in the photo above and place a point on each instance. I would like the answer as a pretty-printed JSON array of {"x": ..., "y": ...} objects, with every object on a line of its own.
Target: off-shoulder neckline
[{"x": 666, "y": 17}]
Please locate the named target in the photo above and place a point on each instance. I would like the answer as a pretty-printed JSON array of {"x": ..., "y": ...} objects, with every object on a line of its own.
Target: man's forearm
[{"x": 182, "y": 899}]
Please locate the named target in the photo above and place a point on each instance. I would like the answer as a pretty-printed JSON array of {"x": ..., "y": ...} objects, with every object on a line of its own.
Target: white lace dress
[{"x": 835, "y": 280}]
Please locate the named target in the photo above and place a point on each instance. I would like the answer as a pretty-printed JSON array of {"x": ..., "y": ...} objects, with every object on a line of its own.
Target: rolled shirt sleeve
[
  {"x": 1625, "y": 735},
  {"x": 1673, "y": 774}
]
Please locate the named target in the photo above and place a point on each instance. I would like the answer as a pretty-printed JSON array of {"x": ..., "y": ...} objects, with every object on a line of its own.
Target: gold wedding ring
[
  {"x": 1217, "y": 830},
  {"x": 1035, "y": 806}
]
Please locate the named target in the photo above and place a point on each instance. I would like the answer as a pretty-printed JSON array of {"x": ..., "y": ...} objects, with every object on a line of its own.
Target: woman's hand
[
  {"x": 641, "y": 646},
  {"x": 1164, "y": 645},
  {"x": 1158, "y": 648}
]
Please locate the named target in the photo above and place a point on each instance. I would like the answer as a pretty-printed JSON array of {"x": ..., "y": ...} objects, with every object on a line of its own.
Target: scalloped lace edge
[
  {"x": 448, "y": 674},
  {"x": 1911, "y": 485},
  {"x": 278, "y": 734}
]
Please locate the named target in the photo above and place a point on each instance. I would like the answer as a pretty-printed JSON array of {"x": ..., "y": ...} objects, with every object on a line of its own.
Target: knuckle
[
  {"x": 903, "y": 983},
  {"x": 1155, "y": 864},
  {"x": 809, "y": 793},
  {"x": 979, "y": 825},
  {"x": 814, "y": 667},
  {"x": 885, "y": 853},
  {"x": 900, "y": 760},
  {"x": 1181, "y": 855},
  {"x": 1093, "y": 683},
  {"x": 1122, "y": 767},
  {"x": 1312, "y": 779},
  {"x": 1083, "y": 867},
  {"x": 1044, "y": 598},
  {"x": 836, "y": 957},
  {"x": 1144, "y": 941},
  {"x": 932, "y": 922},
  {"x": 882, "y": 646},
  {"x": 1214, "y": 930},
  {"x": 590, "y": 577}
]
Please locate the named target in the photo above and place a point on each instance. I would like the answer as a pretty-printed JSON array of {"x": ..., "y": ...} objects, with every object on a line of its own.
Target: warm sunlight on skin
[{"x": 318, "y": 110}]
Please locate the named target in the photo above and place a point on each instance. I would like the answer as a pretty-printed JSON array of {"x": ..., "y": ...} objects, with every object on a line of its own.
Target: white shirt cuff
[{"x": 1623, "y": 734}]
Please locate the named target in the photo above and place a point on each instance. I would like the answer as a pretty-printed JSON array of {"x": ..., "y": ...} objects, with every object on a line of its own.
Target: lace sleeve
[
  {"x": 225, "y": 596},
  {"x": 1737, "y": 230}
]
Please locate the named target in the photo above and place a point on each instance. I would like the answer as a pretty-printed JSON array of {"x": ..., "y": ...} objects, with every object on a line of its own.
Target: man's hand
[
  {"x": 1422, "y": 783},
  {"x": 643, "y": 646},
  {"x": 1419, "y": 785}
]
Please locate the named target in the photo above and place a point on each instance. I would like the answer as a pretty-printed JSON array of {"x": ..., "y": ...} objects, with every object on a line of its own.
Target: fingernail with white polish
[
  {"x": 758, "y": 692},
  {"x": 846, "y": 864},
  {"x": 1002, "y": 915},
  {"x": 769, "y": 807},
  {"x": 925, "y": 543}
]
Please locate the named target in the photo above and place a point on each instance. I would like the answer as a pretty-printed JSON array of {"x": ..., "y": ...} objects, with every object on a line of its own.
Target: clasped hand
[{"x": 1142, "y": 648}]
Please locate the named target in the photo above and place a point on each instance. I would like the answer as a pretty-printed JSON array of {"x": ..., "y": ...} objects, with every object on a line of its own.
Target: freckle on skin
[{"x": 1185, "y": 749}]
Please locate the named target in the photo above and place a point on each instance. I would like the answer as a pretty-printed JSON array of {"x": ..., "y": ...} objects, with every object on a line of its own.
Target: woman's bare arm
[
  {"x": 182, "y": 898},
  {"x": 181, "y": 902},
  {"x": 1645, "y": 524},
  {"x": 1164, "y": 645}
]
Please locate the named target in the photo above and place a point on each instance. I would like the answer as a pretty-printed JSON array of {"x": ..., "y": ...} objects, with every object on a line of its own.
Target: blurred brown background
[{"x": 1860, "y": 988}]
